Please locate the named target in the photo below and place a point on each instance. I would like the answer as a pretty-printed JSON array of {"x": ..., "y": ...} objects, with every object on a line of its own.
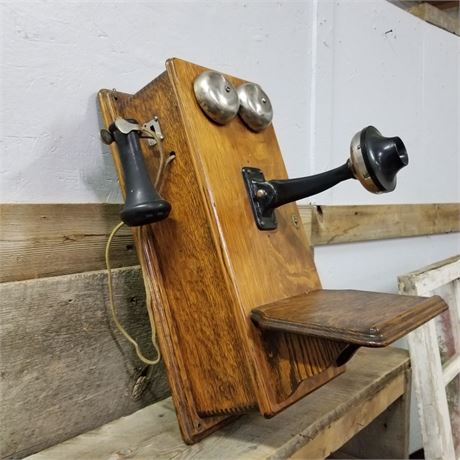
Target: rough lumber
[
  {"x": 431, "y": 397},
  {"x": 40, "y": 240},
  {"x": 429, "y": 347},
  {"x": 374, "y": 380},
  {"x": 333, "y": 436},
  {"x": 444, "y": 5},
  {"x": 429, "y": 278},
  {"x": 387, "y": 436},
  {"x": 347, "y": 224},
  {"x": 64, "y": 370},
  {"x": 436, "y": 16}
]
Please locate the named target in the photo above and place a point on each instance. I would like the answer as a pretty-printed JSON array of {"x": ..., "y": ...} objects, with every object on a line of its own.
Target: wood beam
[{"x": 40, "y": 240}]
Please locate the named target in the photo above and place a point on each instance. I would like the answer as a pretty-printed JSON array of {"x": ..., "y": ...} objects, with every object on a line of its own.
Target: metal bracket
[
  {"x": 154, "y": 125},
  {"x": 126, "y": 126},
  {"x": 254, "y": 180}
]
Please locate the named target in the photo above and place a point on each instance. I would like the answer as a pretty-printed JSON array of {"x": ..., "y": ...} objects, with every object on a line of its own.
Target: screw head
[
  {"x": 261, "y": 194},
  {"x": 106, "y": 136},
  {"x": 295, "y": 220}
]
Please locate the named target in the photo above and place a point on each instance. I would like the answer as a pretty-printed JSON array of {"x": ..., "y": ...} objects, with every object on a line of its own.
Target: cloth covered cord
[{"x": 162, "y": 167}]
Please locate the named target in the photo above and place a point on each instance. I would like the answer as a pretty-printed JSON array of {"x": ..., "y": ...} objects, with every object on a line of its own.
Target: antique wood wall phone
[{"x": 243, "y": 322}]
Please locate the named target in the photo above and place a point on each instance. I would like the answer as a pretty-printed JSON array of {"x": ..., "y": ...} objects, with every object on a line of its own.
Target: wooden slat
[
  {"x": 312, "y": 428},
  {"x": 431, "y": 277},
  {"x": 451, "y": 369},
  {"x": 439, "y": 424},
  {"x": 39, "y": 240},
  {"x": 64, "y": 367},
  {"x": 444, "y": 5},
  {"x": 332, "y": 437},
  {"x": 437, "y": 17},
  {"x": 388, "y": 435},
  {"x": 347, "y": 224}
]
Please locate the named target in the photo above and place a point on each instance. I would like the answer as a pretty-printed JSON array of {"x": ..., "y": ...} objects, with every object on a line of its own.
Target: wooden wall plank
[
  {"x": 445, "y": 4},
  {"x": 436, "y": 16},
  {"x": 40, "y": 240},
  {"x": 347, "y": 224},
  {"x": 64, "y": 368}
]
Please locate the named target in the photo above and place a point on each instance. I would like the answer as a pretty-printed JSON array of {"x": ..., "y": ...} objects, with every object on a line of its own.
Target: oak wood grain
[
  {"x": 261, "y": 266},
  {"x": 221, "y": 365},
  {"x": 363, "y": 318},
  {"x": 179, "y": 257}
]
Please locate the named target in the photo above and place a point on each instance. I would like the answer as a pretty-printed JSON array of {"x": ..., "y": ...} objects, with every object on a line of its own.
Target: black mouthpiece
[{"x": 383, "y": 156}]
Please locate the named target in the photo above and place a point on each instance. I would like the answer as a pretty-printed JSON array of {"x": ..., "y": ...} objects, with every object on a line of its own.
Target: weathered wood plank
[
  {"x": 64, "y": 369},
  {"x": 429, "y": 390},
  {"x": 374, "y": 378},
  {"x": 40, "y": 240},
  {"x": 451, "y": 369},
  {"x": 429, "y": 278},
  {"x": 332, "y": 437},
  {"x": 387, "y": 436},
  {"x": 436, "y": 16},
  {"x": 445, "y": 4},
  {"x": 429, "y": 346},
  {"x": 346, "y": 224}
]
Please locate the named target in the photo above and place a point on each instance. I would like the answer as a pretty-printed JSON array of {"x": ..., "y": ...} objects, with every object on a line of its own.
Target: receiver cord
[{"x": 158, "y": 181}]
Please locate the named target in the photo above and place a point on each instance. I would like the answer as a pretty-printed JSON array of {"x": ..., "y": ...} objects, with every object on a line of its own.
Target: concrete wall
[
  {"x": 330, "y": 69},
  {"x": 57, "y": 57}
]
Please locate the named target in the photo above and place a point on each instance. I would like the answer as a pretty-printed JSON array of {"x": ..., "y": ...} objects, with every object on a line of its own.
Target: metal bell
[
  {"x": 216, "y": 96},
  {"x": 255, "y": 106}
]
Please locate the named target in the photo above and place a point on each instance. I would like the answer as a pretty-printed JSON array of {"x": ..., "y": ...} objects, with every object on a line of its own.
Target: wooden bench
[{"x": 363, "y": 413}]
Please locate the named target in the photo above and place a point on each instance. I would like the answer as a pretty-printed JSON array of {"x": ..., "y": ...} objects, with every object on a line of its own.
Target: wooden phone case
[{"x": 218, "y": 283}]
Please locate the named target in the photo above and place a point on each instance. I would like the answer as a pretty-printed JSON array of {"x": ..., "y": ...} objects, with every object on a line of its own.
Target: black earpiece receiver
[{"x": 143, "y": 204}]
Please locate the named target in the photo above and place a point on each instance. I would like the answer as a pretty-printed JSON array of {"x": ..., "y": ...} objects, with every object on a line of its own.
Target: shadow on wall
[
  {"x": 102, "y": 180},
  {"x": 55, "y": 163}
]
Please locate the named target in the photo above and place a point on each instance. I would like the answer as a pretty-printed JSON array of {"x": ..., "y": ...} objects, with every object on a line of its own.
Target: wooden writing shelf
[{"x": 361, "y": 318}]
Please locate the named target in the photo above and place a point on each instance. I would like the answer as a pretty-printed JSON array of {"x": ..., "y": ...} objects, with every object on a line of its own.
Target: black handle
[
  {"x": 294, "y": 189},
  {"x": 143, "y": 204}
]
